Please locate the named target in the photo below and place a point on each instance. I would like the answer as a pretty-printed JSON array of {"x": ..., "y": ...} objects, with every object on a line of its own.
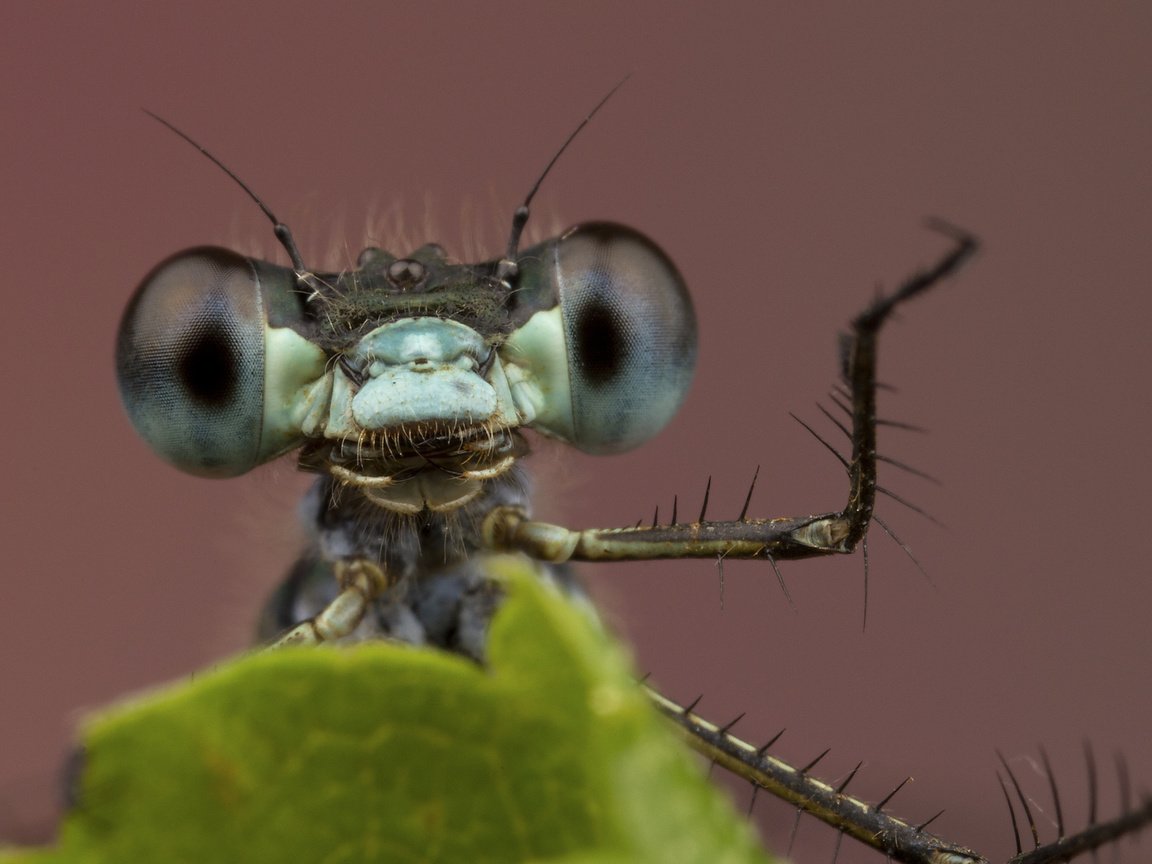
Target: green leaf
[{"x": 395, "y": 754}]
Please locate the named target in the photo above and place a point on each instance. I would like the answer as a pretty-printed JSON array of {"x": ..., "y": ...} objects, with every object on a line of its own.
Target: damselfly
[{"x": 406, "y": 383}]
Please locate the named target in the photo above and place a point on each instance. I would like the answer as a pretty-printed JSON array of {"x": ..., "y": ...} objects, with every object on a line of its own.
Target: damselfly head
[{"x": 409, "y": 372}]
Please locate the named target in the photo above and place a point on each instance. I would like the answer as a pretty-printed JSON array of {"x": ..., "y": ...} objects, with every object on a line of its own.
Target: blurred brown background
[{"x": 786, "y": 156}]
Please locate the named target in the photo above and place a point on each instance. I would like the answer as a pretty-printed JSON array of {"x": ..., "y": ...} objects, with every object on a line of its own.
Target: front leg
[
  {"x": 508, "y": 528},
  {"x": 361, "y": 582}
]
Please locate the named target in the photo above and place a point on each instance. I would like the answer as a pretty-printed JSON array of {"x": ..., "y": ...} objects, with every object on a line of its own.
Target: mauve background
[{"x": 786, "y": 156}]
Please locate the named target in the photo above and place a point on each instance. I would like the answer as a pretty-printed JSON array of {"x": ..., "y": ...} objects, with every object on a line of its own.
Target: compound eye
[
  {"x": 629, "y": 336},
  {"x": 190, "y": 362}
]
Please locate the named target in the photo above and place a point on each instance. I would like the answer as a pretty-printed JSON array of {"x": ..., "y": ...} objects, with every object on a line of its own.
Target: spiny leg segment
[
  {"x": 868, "y": 823},
  {"x": 831, "y": 805},
  {"x": 777, "y": 539},
  {"x": 793, "y": 538}
]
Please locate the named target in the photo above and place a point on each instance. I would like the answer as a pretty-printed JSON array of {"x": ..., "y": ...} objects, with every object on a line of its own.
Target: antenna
[
  {"x": 508, "y": 268},
  {"x": 282, "y": 231}
]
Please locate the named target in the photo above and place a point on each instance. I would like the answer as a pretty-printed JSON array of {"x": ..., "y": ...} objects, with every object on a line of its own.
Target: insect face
[{"x": 407, "y": 366}]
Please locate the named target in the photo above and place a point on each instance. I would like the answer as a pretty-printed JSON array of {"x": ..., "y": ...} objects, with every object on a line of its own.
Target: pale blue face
[{"x": 225, "y": 362}]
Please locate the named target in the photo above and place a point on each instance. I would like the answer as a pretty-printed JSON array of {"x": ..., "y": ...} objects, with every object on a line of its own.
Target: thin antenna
[
  {"x": 508, "y": 268},
  {"x": 282, "y": 231}
]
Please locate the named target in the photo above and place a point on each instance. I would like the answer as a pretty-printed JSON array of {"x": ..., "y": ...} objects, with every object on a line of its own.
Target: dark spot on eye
[
  {"x": 600, "y": 344},
  {"x": 208, "y": 368}
]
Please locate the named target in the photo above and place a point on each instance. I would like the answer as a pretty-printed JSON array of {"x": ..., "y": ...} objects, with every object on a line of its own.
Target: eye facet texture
[
  {"x": 629, "y": 336},
  {"x": 190, "y": 361}
]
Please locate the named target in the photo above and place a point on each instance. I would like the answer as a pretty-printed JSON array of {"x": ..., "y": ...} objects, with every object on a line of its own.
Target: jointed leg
[
  {"x": 773, "y": 539},
  {"x": 361, "y": 582}
]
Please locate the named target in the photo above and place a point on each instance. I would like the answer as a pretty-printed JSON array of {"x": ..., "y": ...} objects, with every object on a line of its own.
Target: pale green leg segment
[{"x": 361, "y": 582}]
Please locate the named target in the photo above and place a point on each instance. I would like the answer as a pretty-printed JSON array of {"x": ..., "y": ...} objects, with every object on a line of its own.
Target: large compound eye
[
  {"x": 628, "y": 332},
  {"x": 191, "y": 361}
]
